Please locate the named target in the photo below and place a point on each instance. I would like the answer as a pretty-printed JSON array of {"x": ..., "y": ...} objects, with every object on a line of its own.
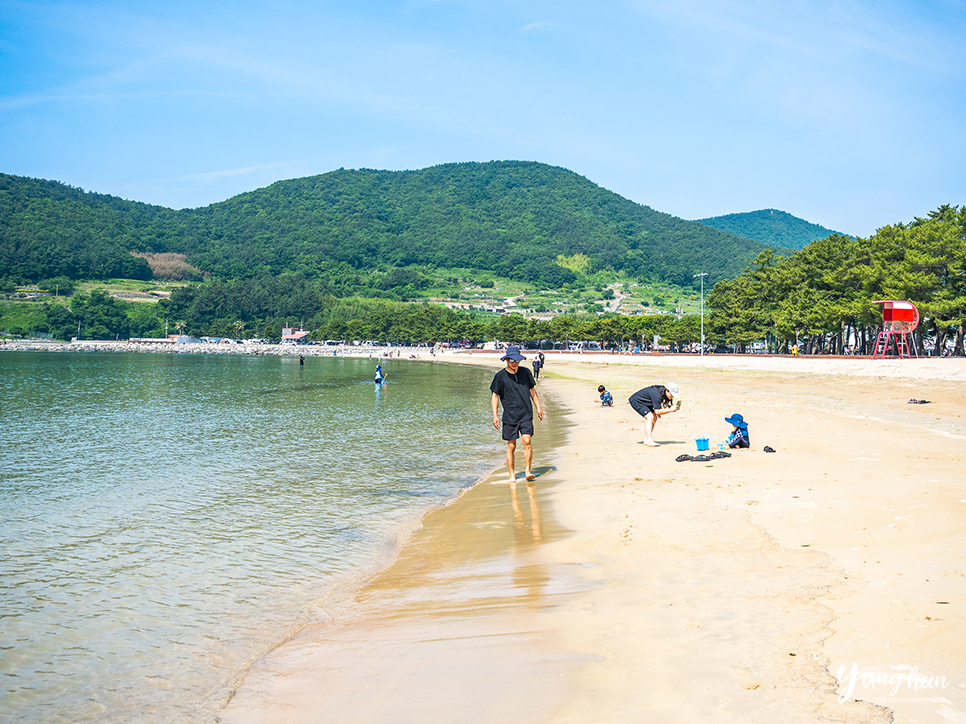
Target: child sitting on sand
[
  {"x": 606, "y": 399},
  {"x": 739, "y": 437}
]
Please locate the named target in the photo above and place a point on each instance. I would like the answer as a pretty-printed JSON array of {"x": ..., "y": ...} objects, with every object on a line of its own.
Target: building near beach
[{"x": 294, "y": 336}]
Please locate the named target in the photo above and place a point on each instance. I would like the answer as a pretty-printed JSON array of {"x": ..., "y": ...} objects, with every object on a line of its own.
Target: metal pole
[{"x": 702, "y": 275}]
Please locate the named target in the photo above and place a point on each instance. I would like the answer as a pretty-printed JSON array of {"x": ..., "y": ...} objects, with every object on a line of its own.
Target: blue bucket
[{"x": 702, "y": 443}]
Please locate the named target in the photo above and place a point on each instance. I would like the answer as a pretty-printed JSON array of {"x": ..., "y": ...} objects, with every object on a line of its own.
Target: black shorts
[
  {"x": 512, "y": 432},
  {"x": 644, "y": 410}
]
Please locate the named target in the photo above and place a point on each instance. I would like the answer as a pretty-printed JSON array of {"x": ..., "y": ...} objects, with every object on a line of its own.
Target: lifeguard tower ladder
[{"x": 899, "y": 321}]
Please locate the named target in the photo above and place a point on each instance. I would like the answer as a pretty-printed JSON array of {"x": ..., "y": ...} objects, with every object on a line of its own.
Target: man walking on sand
[{"x": 515, "y": 388}]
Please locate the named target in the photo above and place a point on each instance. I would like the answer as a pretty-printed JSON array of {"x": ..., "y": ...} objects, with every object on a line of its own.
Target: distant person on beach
[
  {"x": 606, "y": 398},
  {"x": 301, "y": 360},
  {"x": 739, "y": 436},
  {"x": 536, "y": 368},
  {"x": 651, "y": 403},
  {"x": 514, "y": 388}
]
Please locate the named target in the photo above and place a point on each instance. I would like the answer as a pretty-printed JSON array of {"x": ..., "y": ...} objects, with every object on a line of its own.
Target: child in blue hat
[{"x": 739, "y": 437}]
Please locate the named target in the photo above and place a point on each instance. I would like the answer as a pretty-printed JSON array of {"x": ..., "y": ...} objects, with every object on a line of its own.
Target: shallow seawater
[{"x": 164, "y": 519}]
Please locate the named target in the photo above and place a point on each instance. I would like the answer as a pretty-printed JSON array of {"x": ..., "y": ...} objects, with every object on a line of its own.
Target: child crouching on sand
[
  {"x": 739, "y": 436},
  {"x": 606, "y": 398}
]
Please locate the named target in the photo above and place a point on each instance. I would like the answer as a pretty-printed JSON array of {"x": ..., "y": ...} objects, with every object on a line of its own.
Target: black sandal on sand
[
  {"x": 682, "y": 458},
  {"x": 918, "y": 402},
  {"x": 701, "y": 458},
  {"x": 769, "y": 449}
]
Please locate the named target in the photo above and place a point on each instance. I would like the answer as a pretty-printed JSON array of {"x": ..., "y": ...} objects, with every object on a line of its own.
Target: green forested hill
[
  {"x": 510, "y": 218},
  {"x": 770, "y": 226},
  {"x": 48, "y": 229}
]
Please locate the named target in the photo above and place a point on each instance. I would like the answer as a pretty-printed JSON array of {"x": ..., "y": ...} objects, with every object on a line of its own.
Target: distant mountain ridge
[
  {"x": 770, "y": 226},
  {"x": 512, "y": 218}
]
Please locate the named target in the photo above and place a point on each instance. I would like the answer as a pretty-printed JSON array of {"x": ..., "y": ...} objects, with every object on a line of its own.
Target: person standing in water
[
  {"x": 651, "y": 403},
  {"x": 379, "y": 376},
  {"x": 514, "y": 388}
]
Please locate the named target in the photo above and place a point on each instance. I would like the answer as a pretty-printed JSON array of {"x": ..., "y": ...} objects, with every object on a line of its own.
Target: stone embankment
[{"x": 205, "y": 348}]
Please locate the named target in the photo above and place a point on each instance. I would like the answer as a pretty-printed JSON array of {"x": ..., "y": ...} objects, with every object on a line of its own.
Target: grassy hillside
[
  {"x": 520, "y": 220},
  {"x": 770, "y": 226}
]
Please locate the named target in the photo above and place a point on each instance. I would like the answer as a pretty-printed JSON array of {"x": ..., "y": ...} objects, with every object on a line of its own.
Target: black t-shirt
[
  {"x": 650, "y": 398},
  {"x": 514, "y": 393}
]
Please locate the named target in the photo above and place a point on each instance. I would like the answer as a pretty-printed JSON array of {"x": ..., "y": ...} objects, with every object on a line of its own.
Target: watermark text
[{"x": 901, "y": 678}]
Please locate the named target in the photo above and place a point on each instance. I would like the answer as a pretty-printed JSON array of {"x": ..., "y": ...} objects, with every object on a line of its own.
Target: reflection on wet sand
[
  {"x": 519, "y": 519},
  {"x": 455, "y": 624},
  {"x": 531, "y": 578}
]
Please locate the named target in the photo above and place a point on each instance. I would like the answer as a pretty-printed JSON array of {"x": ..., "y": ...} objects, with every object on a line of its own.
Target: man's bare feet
[
  {"x": 531, "y": 476},
  {"x": 652, "y": 444}
]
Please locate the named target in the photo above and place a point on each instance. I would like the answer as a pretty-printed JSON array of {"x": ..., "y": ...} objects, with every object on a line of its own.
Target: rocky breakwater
[{"x": 168, "y": 348}]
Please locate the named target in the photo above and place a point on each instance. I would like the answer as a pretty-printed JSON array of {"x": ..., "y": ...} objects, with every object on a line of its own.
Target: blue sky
[{"x": 848, "y": 114}]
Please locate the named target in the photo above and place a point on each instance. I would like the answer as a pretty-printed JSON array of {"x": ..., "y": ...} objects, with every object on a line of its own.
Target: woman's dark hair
[{"x": 665, "y": 402}]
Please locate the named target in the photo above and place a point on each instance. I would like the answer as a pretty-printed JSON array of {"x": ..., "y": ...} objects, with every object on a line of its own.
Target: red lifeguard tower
[{"x": 899, "y": 321}]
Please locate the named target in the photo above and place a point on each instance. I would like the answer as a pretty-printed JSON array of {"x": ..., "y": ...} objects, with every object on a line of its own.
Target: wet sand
[
  {"x": 627, "y": 587},
  {"x": 454, "y": 628}
]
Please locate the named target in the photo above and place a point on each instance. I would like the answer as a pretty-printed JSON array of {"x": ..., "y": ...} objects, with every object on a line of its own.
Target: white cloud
[{"x": 537, "y": 26}]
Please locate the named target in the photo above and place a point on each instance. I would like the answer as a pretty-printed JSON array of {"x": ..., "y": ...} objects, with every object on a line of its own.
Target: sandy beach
[{"x": 823, "y": 582}]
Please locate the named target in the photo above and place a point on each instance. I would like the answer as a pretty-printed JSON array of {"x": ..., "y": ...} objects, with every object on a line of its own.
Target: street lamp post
[{"x": 702, "y": 275}]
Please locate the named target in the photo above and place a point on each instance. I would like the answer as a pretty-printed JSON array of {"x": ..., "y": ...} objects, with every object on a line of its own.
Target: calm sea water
[{"x": 164, "y": 519}]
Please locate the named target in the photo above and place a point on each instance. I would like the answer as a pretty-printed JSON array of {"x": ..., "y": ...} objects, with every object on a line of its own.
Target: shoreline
[
  {"x": 786, "y": 587},
  {"x": 466, "y": 588},
  {"x": 939, "y": 368},
  {"x": 921, "y": 368},
  {"x": 358, "y": 529}
]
